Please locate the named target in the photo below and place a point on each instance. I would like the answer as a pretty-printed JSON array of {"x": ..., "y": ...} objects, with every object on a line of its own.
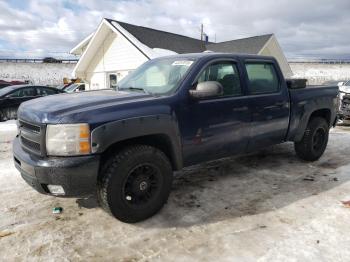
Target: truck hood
[{"x": 61, "y": 108}]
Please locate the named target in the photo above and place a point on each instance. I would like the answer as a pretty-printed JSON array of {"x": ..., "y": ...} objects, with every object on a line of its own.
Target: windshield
[
  {"x": 60, "y": 87},
  {"x": 71, "y": 88},
  {"x": 347, "y": 83},
  {"x": 6, "y": 90},
  {"x": 160, "y": 76}
]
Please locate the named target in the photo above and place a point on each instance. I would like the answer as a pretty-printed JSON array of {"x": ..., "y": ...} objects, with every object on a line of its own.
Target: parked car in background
[
  {"x": 338, "y": 83},
  {"x": 77, "y": 87},
  {"x": 4, "y": 85},
  {"x": 61, "y": 87},
  {"x": 64, "y": 86},
  {"x": 12, "y": 96},
  {"x": 344, "y": 100},
  {"x": 51, "y": 60}
]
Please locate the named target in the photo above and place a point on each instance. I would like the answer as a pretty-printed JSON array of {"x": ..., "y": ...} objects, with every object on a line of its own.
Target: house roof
[
  {"x": 78, "y": 49},
  {"x": 147, "y": 40},
  {"x": 154, "y": 38},
  {"x": 181, "y": 44},
  {"x": 250, "y": 45}
]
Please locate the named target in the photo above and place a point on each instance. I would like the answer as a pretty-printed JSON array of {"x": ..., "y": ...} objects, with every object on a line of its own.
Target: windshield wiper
[{"x": 136, "y": 88}]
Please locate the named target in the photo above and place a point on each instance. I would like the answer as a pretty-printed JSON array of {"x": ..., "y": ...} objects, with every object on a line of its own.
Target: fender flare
[
  {"x": 110, "y": 133},
  {"x": 305, "y": 120}
]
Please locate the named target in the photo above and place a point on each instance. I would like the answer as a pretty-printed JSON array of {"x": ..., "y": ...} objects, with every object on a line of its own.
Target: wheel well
[
  {"x": 159, "y": 141},
  {"x": 324, "y": 113}
]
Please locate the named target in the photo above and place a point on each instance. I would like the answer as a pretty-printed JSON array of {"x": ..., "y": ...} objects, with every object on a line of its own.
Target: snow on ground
[
  {"x": 259, "y": 207},
  {"x": 7, "y": 126}
]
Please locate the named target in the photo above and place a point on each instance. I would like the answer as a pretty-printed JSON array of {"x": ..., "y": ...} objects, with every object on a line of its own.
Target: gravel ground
[{"x": 269, "y": 206}]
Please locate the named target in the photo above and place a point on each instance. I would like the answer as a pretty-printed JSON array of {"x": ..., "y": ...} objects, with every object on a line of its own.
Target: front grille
[
  {"x": 30, "y": 127},
  {"x": 30, "y": 144},
  {"x": 32, "y": 137}
]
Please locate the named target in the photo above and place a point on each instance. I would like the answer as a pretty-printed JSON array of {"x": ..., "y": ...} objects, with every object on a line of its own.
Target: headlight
[{"x": 67, "y": 140}]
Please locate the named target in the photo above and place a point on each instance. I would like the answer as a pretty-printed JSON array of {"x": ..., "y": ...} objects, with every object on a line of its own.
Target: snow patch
[{"x": 8, "y": 125}]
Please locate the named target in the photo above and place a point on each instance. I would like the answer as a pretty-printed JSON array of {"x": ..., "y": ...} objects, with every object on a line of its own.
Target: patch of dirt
[{"x": 5, "y": 234}]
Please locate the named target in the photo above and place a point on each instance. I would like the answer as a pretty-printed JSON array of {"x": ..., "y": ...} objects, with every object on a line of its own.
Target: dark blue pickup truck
[{"x": 171, "y": 112}]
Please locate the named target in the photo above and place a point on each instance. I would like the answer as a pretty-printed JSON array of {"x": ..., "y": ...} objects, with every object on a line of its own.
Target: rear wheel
[
  {"x": 135, "y": 183},
  {"x": 314, "y": 141}
]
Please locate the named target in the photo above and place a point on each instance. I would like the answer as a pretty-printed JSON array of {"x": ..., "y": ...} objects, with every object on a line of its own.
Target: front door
[{"x": 217, "y": 127}]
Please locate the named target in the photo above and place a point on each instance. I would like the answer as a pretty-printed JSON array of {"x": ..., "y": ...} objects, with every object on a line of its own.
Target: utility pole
[{"x": 202, "y": 31}]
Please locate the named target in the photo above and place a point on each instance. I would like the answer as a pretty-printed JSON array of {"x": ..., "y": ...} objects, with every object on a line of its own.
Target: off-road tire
[
  {"x": 305, "y": 149},
  {"x": 116, "y": 171}
]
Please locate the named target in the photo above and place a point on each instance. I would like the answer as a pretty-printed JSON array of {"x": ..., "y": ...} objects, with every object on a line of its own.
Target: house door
[{"x": 112, "y": 80}]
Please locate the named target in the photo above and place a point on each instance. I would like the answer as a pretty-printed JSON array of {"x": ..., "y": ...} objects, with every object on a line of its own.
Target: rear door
[
  {"x": 269, "y": 103},
  {"x": 217, "y": 127}
]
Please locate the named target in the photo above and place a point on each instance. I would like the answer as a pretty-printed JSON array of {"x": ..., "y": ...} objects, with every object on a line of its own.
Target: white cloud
[{"x": 318, "y": 28}]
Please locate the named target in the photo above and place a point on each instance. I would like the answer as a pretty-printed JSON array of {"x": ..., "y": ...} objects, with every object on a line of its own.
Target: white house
[{"x": 116, "y": 48}]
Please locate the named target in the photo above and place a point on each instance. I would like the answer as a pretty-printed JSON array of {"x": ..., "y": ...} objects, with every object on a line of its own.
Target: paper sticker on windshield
[{"x": 182, "y": 63}]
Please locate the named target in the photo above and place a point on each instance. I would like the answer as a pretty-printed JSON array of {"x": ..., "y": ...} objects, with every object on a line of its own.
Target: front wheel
[
  {"x": 135, "y": 183},
  {"x": 314, "y": 141}
]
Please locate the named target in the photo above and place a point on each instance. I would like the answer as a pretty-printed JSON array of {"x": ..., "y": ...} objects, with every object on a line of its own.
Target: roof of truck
[{"x": 218, "y": 55}]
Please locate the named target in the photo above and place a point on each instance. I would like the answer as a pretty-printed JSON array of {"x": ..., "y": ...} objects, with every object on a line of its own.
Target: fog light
[{"x": 56, "y": 190}]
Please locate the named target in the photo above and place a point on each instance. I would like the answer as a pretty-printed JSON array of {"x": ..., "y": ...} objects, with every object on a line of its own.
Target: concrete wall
[
  {"x": 53, "y": 74},
  {"x": 318, "y": 73},
  {"x": 36, "y": 73}
]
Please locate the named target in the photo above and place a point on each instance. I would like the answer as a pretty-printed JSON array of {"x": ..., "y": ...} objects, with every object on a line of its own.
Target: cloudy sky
[{"x": 304, "y": 28}]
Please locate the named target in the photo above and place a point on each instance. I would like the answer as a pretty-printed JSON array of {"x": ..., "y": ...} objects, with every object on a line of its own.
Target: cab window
[
  {"x": 226, "y": 73},
  {"x": 262, "y": 78}
]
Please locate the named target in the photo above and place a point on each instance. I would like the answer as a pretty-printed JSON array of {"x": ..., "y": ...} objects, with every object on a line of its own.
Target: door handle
[
  {"x": 240, "y": 109},
  {"x": 280, "y": 104}
]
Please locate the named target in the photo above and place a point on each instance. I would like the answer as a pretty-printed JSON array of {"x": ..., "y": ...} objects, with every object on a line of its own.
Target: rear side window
[
  {"x": 24, "y": 92},
  {"x": 226, "y": 73},
  {"x": 262, "y": 78},
  {"x": 42, "y": 91}
]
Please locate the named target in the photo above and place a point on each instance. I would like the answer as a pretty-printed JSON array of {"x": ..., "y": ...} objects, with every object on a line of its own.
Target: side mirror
[{"x": 207, "y": 89}]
